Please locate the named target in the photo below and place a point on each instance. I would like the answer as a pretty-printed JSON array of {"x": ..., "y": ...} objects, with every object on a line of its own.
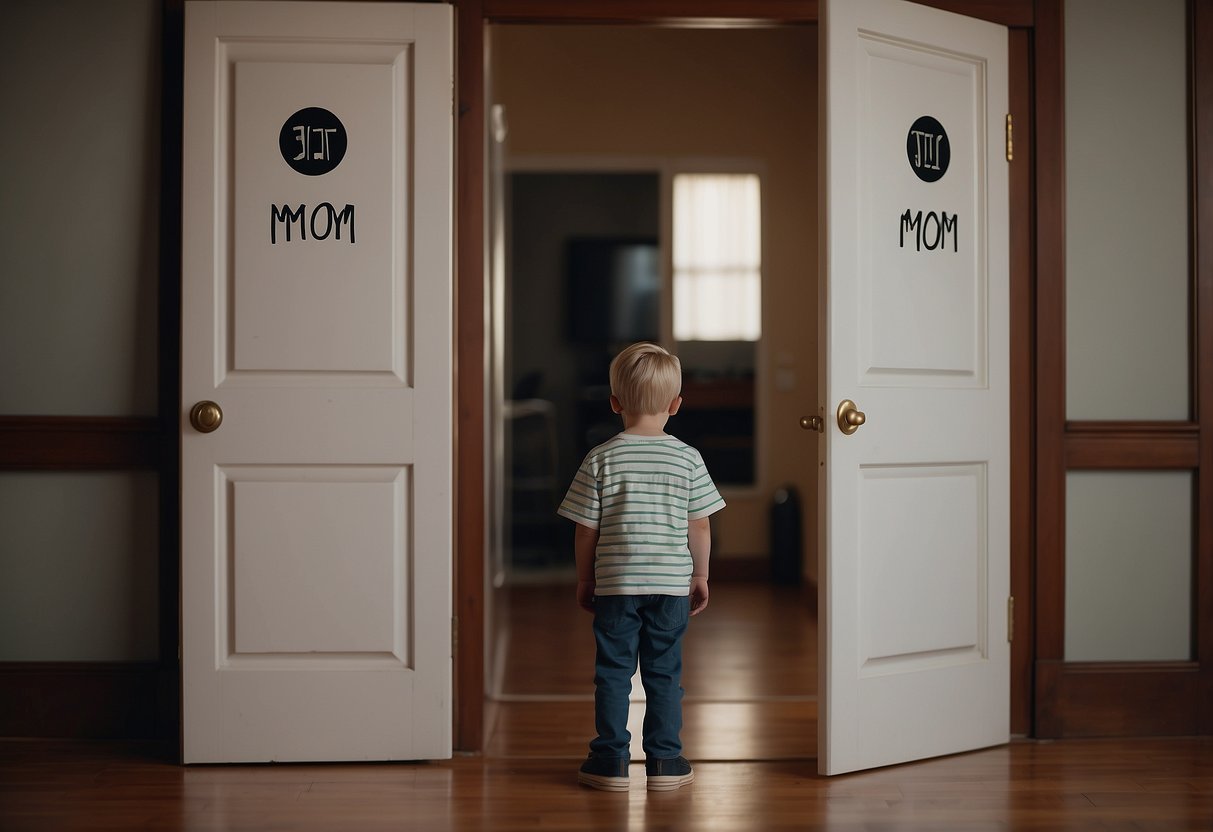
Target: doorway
[{"x": 590, "y": 126}]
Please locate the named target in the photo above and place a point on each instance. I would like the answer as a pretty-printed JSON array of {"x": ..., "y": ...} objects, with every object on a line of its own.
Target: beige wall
[
  {"x": 1127, "y": 243},
  {"x": 79, "y": 242},
  {"x": 1129, "y": 545},
  {"x": 669, "y": 94},
  {"x": 79, "y": 206}
]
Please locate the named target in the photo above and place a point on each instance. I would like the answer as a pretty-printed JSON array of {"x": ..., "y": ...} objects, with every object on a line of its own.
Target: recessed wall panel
[
  {"x": 79, "y": 566},
  {"x": 923, "y": 603},
  {"x": 1129, "y": 566},
  {"x": 922, "y": 251}
]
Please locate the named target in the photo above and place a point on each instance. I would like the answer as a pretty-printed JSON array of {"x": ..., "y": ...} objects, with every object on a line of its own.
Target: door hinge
[
  {"x": 1010, "y": 140},
  {"x": 1010, "y": 618},
  {"x": 454, "y": 635}
]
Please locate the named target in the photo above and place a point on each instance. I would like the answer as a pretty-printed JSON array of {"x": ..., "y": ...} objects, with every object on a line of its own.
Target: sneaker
[
  {"x": 667, "y": 775},
  {"x": 610, "y": 774}
]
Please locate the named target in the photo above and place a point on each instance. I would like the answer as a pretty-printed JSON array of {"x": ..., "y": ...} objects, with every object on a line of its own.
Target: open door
[
  {"x": 316, "y": 381},
  {"x": 915, "y": 659}
]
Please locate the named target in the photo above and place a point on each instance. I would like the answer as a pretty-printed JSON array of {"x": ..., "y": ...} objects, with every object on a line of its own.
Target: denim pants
[{"x": 648, "y": 628}]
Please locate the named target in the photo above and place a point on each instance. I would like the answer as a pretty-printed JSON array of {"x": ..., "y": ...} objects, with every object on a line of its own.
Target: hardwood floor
[
  {"x": 749, "y": 671},
  {"x": 58, "y": 786},
  {"x": 717, "y": 731},
  {"x": 754, "y": 641},
  {"x": 750, "y": 722}
]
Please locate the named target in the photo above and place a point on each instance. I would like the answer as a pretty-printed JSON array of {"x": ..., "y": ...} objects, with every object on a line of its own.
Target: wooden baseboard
[
  {"x": 89, "y": 700},
  {"x": 1117, "y": 699},
  {"x": 80, "y": 443}
]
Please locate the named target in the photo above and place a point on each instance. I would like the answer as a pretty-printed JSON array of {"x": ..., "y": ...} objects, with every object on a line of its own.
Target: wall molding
[
  {"x": 88, "y": 700},
  {"x": 1082, "y": 699},
  {"x": 67, "y": 443},
  {"x": 1118, "y": 699},
  {"x": 1132, "y": 445}
]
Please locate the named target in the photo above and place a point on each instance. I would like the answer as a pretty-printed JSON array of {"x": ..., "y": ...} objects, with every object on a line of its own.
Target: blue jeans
[{"x": 648, "y": 627}]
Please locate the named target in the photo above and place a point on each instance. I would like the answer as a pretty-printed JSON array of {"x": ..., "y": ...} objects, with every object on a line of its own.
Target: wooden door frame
[
  {"x": 473, "y": 16},
  {"x": 1077, "y": 699}
]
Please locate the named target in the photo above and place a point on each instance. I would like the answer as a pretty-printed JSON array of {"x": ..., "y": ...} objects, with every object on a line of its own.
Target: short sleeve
[
  {"x": 705, "y": 499},
  {"x": 582, "y": 503}
]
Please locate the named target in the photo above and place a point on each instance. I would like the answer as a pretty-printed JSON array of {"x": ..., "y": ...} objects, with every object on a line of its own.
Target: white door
[
  {"x": 316, "y": 518},
  {"x": 915, "y": 274}
]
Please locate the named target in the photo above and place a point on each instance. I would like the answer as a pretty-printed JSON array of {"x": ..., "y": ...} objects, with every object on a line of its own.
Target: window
[{"x": 717, "y": 258}]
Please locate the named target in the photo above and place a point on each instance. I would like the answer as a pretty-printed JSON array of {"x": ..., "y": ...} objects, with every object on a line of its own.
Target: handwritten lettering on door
[
  {"x": 929, "y": 153},
  {"x": 313, "y": 142}
]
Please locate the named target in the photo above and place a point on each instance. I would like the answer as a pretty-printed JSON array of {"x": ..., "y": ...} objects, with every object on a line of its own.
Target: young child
[{"x": 641, "y": 502}]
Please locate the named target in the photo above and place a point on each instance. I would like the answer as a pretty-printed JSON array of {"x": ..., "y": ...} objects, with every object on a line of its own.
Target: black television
[{"x": 614, "y": 289}]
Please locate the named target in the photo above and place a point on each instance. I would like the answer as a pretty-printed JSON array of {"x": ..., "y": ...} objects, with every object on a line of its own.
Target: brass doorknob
[
  {"x": 812, "y": 423},
  {"x": 206, "y": 416},
  {"x": 850, "y": 417}
]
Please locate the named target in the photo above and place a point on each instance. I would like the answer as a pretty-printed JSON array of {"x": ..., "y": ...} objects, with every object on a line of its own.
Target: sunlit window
[{"x": 717, "y": 258}]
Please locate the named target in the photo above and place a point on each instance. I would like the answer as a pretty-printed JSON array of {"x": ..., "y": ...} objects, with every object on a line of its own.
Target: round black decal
[
  {"x": 312, "y": 141},
  {"x": 928, "y": 149}
]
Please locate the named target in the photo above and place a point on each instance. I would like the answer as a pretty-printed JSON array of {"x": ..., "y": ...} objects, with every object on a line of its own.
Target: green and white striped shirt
[{"x": 640, "y": 492}]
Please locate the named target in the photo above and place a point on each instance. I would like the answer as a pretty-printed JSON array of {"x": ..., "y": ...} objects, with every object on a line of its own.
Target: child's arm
[
  {"x": 699, "y": 539},
  {"x": 585, "y": 542}
]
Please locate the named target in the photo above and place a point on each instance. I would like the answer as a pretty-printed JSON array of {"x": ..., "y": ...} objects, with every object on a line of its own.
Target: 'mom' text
[
  {"x": 931, "y": 231},
  {"x": 324, "y": 221}
]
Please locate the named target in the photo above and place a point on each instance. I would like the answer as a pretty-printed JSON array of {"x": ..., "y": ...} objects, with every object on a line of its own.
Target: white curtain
[{"x": 717, "y": 258}]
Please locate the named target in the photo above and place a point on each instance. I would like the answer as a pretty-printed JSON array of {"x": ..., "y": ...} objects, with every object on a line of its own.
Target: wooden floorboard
[
  {"x": 749, "y": 725},
  {"x": 65, "y": 786},
  {"x": 710, "y": 730},
  {"x": 753, "y": 641},
  {"x": 749, "y": 671}
]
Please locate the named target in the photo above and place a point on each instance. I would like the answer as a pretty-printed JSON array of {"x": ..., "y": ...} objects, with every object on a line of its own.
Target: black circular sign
[
  {"x": 928, "y": 149},
  {"x": 312, "y": 141}
]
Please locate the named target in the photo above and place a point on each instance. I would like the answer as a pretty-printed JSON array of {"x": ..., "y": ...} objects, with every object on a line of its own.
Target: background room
[{"x": 657, "y": 184}]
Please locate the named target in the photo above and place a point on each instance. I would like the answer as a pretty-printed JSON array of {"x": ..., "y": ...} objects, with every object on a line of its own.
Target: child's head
[{"x": 645, "y": 379}]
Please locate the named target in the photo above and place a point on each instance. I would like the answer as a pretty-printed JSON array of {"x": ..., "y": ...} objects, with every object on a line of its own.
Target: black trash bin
[{"x": 786, "y": 565}]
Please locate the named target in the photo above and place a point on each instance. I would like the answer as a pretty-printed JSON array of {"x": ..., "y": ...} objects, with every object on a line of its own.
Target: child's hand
[
  {"x": 699, "y": 595},
  {"x": 585, "y": 595}
]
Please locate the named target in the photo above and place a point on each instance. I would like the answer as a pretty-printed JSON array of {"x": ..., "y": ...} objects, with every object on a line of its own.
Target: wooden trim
[
  {"x": 1014, "y": 13},
  {"x": 172, "y": 103},
  {"x": 470, "y": 375},
  {"x": 1131, "y": 445},
  {"x": 685, "y": 12},
  {"x": 1119, "y": 699},
  {"x": 1022, "y": 399},
  {"x": 1202, "y": 119},
  {"x": 738, "y": 12},
  {"x": 85, "y": 699},
  {"x": 1132, "y": 698},
  {"x": 71, "y": 443},
  {"x": 1049, "y": 121}
]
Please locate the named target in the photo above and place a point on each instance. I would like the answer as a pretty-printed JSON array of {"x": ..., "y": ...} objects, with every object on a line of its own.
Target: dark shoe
[
  {"x": 610, "y": 774},
  {"x": 667, "y": 775}
]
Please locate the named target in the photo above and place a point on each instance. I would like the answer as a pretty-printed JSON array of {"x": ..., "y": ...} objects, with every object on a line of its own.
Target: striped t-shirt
[{"x": 640, "y": 492}]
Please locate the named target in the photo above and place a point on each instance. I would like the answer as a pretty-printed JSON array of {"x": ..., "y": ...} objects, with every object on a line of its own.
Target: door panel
[
  {"x": 915, "y": 275},
  {"x": 316, "y": 520}
]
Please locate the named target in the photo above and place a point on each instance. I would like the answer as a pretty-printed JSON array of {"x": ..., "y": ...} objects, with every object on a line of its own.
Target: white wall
[
  {"x": 1128, "y": 566},
  {"x": 1127, "y": 185},
  {"x": 1129, "y": 547},
  {"x": 79, "y": 207},
  {"x": 79, "y": 223}
]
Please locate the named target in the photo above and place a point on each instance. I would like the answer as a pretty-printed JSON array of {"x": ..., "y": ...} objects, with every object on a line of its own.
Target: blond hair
[{"x": 646, "y": 379}]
